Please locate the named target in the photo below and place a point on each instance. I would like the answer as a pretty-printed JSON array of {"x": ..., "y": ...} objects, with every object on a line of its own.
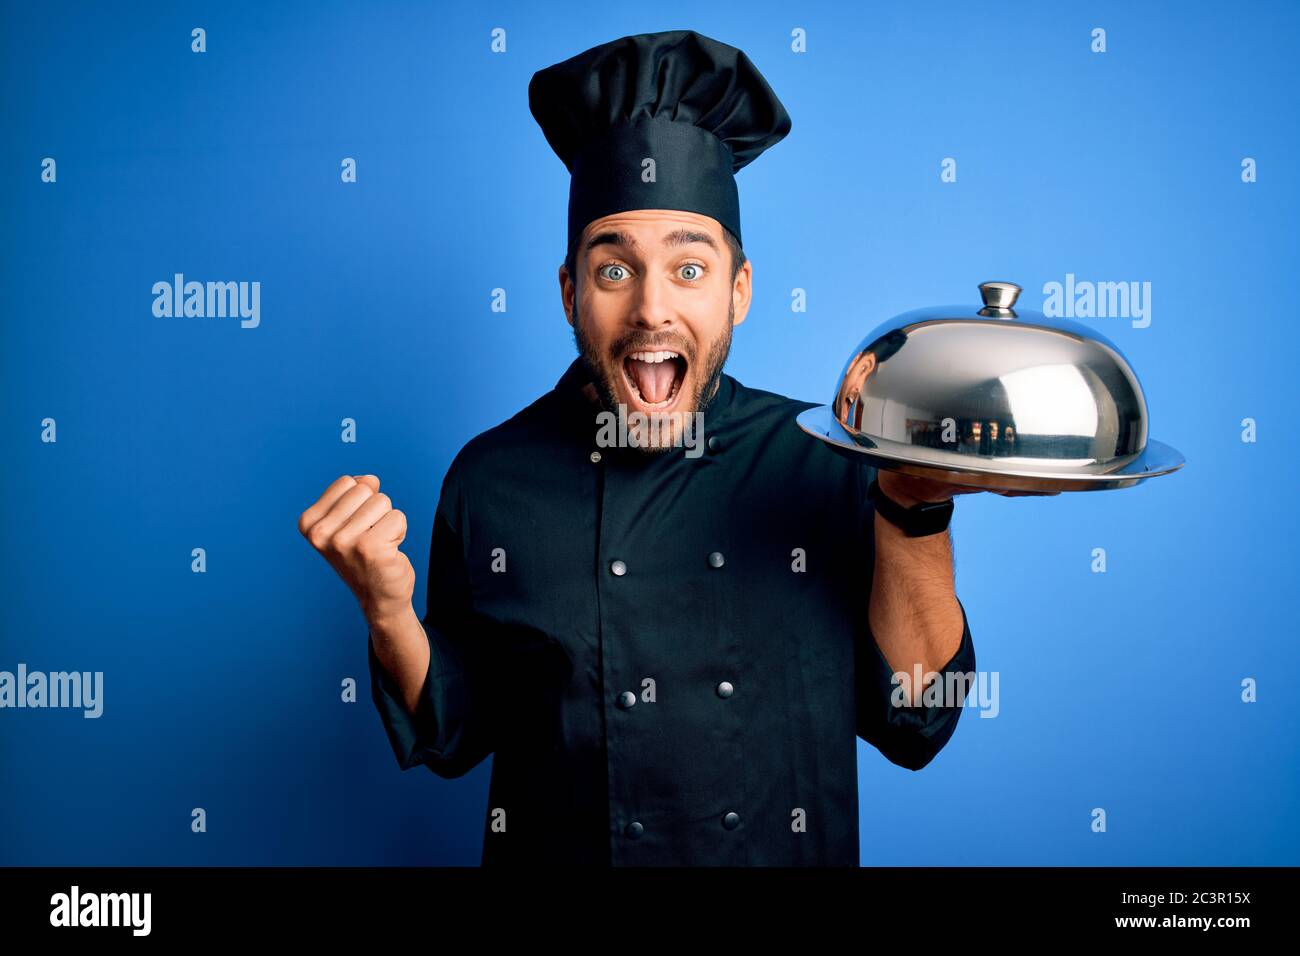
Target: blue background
[{"x": 1118, "y": 690}]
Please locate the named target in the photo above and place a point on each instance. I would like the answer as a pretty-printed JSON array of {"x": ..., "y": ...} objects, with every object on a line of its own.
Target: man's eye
[
  {"x": 613, "y": 271},
  {"x": 696, "y": 272}
]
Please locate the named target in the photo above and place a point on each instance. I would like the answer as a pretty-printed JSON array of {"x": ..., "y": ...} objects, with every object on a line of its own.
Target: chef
[{"x": 670, "y": 657}]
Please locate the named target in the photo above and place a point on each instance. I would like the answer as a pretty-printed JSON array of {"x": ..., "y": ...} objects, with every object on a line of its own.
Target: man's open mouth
[{"x": 655, "y": 377}]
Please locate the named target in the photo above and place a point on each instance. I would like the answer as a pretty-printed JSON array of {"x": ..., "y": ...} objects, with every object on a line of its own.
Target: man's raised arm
[{"x": 434, "y": 707}]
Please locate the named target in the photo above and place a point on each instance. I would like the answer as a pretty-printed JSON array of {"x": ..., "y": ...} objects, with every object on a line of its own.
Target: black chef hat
[{"x": 699, "y": 108}]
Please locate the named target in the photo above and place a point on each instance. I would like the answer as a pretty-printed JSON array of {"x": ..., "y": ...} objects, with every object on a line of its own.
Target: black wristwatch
[{"x": 926, "y": 518}]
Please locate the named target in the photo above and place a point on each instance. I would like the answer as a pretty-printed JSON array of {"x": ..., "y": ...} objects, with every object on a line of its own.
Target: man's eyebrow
[
  {"x": 678, "y": 237},
  {"x": 682, "y": 237},
  {"x": 611, "y": 239}
]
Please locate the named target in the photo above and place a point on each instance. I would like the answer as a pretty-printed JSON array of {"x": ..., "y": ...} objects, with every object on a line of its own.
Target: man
[{"x": 670, "y": 643}]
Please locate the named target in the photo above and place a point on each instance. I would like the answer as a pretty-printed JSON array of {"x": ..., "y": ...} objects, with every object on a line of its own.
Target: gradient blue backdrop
[{"x": 1118, "y": 690}]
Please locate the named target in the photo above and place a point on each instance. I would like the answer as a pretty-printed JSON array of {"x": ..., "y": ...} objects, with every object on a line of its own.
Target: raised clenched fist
[{"x": 358, "y": 531}]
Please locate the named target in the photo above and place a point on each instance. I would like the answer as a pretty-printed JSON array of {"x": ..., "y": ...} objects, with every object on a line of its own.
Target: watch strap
[{"x": 918, "y": 521}]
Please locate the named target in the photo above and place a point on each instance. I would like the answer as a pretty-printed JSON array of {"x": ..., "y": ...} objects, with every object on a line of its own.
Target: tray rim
[{"x": 1153, "y": 461}]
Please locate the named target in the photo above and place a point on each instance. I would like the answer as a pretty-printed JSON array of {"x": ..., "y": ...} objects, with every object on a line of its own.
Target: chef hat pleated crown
[{"x": 696, "y": 107}]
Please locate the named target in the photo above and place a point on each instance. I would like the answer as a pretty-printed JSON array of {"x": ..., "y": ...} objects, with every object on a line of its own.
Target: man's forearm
[
  {"x": 914, "y": 613},
  {"x": 402, "y": 647}
]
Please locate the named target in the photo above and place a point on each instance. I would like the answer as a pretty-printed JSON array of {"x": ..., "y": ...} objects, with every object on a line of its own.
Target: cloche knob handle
[{"x": 999, "y": 298}]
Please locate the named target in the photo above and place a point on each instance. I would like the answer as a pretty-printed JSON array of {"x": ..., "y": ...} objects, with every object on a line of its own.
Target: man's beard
[{"x": 602, "y": 376}]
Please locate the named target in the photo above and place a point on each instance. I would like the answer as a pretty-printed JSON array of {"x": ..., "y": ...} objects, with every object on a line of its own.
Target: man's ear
[
  {"x": 567, "y": 292},
  {"x": 742, "y": 292}
]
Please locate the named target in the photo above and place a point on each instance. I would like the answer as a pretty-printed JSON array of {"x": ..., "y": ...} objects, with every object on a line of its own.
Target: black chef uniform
[{"x": 667, "y": 654}]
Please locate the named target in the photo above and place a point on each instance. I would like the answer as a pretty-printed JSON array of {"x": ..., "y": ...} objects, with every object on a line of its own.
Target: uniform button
[
  {"x": 634, "y": 829},
  {"x": 595, "y": 458},
  {"x": 713, "y": 444},
  {"x": 725, "y": 689},
  {"x": 716, "y": 559},
  {"x": 731, "y": 821},
  {"x": 618, "y": 569},
  {"x": 626, "y": 699}
]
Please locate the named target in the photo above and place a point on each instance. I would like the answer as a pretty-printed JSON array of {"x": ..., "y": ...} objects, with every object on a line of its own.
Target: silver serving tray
[{"x": 991, "y": 474}]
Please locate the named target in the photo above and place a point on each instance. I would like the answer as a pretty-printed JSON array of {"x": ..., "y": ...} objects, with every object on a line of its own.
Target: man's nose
[{"x": 653, "y": 307}]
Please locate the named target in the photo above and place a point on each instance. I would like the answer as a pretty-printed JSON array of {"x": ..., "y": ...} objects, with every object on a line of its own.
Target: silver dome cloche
[{"x": 1000, "y": 397}]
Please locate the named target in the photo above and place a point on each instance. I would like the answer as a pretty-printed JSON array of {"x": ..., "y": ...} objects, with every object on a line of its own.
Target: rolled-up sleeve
[
  {"x": 911, "y": 736},
  {"x": 451, "y": 730}
]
